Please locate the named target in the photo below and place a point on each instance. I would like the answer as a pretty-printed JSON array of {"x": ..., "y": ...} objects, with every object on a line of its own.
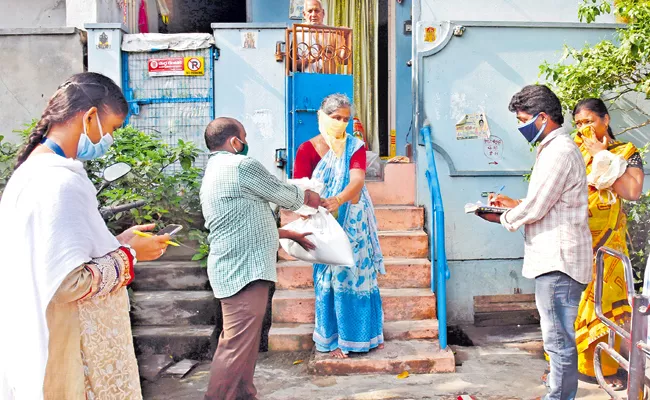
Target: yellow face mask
[
  {"x": 333, "y": 132},
  {"x": 587, "y": 131}
]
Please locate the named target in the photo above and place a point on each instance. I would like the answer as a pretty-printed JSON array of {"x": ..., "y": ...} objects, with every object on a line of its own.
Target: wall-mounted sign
[
  {"x": 104, "y": 40},
  {"x": 473, "y": 126},
  {"x": 429, "y": 34},
  {"x": 177, "y": 66},
  {"x": 249, "y": 40}
]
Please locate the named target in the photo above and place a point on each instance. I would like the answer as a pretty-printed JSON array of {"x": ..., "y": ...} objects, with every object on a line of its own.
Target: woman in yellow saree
[{"x": 614, "y": 172}]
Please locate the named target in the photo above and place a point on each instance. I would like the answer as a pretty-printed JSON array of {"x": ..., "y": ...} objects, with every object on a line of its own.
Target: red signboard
[
  {"x": 167, "y": 66},
  {"x": 188, "y": 66}
]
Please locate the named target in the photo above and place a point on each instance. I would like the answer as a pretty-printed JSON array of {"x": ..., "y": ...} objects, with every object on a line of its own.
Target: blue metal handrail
[{"x": 439, "y": 267}]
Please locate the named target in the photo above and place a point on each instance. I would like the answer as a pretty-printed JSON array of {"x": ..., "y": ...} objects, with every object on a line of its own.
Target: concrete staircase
[{"x": 173, "y": 308}]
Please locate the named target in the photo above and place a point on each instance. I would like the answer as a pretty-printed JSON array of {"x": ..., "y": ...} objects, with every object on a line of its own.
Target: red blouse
[{"x": 307, "y": 158}]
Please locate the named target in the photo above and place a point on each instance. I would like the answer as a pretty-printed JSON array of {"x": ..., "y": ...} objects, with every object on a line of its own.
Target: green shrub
[
  {"x": 172, "y": 195},
  {"x": 638, "y": 232}
]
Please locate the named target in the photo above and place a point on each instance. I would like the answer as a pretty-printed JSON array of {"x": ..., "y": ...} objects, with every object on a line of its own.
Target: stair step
[
  {"x": 297, "y": 306},
  {"x": 414, "y": 356},
  {"x": 187, "y": 275},
  {"x": 292, "y": 306},
  {"x": 399, "y": 218},
  {"x": 409, "y": 244},
  {"x": 190, "y": 341},
  {"x": 193, "y": 341},
  {"x": 389, "y": 218},
  {"x": 298, "y": 337},
  {"x": 400, "y": 273},
  {"x": 397, "y": 187},
  {"x": 173, "y": 308}
]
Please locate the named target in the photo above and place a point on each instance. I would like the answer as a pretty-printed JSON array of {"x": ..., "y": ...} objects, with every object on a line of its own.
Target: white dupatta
[{"x": 49, "y": 225}]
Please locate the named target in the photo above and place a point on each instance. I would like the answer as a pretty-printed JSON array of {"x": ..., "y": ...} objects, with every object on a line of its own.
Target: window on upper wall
[{"x": 198, "y": 15}]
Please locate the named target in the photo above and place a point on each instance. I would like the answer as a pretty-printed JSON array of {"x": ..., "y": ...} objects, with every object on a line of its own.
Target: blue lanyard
[{"x": 53, "y": 146}]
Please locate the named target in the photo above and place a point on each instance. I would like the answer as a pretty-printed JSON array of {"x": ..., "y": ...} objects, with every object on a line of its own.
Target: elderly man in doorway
[
  {"x": 315, "y": 46},
  {"x": 235, "y": 196}
]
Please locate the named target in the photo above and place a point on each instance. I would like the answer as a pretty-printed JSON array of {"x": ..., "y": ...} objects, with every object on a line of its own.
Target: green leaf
[
  {"x": 186, "y": 163},
  {"x": 198, "y": 257}
]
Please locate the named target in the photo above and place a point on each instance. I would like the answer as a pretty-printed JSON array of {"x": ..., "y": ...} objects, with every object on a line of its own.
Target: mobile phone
[{"x": 170, "y": 230}]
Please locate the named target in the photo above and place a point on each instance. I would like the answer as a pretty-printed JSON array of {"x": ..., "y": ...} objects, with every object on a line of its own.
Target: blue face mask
[
  {"x": 87, "y": 150},
  {"x": 530, "y": 132}
]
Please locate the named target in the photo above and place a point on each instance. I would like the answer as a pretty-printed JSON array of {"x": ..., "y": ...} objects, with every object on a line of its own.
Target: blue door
[{"x": 305, "y": 92}]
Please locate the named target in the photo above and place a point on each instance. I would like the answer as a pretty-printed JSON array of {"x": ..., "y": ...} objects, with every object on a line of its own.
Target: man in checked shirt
[
  {"x": 554, "y": 214},
  {"x": 235, "y": 196}
]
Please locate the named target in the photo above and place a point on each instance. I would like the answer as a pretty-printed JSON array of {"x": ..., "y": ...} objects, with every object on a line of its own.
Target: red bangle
[{"x": 130, "y": 267}]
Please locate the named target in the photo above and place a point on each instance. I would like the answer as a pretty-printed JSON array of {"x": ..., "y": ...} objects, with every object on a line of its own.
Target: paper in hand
[{"x": 478, "y": 207}]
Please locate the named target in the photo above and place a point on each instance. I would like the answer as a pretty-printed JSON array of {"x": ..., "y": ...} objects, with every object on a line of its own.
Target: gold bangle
[{"x": 338, "y": 200}]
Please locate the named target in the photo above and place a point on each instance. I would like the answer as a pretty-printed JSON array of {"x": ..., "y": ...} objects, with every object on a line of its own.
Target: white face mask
[{"x": 87, "y": 150}]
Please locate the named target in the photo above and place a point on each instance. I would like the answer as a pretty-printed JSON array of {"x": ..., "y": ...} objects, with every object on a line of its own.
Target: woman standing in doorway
[
  {"x": 64, "y": 274},
  {"x": 349, "y": 316},
  {"x": 607, "y": 223}
]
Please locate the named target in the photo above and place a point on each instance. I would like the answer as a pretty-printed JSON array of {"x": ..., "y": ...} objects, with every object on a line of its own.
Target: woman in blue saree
[{"x": 349, "y": 316}]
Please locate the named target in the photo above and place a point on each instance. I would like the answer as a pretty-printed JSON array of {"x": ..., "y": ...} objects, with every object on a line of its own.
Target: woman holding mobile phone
[{"x": 64, "y": 274}]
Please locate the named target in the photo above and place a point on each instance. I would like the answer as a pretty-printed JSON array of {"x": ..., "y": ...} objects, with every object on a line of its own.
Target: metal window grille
[{"x": 172, "y": 107}]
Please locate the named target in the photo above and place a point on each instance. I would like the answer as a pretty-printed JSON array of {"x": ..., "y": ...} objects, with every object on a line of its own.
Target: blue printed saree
[{"x": 349, "y": 314}]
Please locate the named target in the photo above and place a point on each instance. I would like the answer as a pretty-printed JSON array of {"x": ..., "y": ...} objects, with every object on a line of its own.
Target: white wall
[
  {"x": 32, "y": 13},
  {"x": 81, "y": 12},
  {"x": 40, "y": 62}
]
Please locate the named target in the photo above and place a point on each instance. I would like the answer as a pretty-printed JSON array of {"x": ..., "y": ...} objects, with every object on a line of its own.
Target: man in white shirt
[{"x": 554, "y": 214}]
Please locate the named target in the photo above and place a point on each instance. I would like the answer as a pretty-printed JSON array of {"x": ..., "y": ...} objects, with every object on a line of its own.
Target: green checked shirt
[{"x": 235, "y": 196}]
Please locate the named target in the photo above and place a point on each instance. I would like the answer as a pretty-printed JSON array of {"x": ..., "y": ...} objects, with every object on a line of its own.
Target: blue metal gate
[{"x": 173, "y": 107}]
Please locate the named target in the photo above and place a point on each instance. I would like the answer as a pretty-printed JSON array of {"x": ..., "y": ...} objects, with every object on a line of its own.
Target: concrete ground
[{"x": 495, "y": 368}]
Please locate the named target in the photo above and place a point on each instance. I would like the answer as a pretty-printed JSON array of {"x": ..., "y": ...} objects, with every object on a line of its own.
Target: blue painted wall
[
  {"x": 276, "y": 11},
  {"x": 479, "y": 72}
]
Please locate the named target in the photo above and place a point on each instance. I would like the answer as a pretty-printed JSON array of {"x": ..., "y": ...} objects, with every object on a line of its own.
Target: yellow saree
[{"x": 607, "y": 223}]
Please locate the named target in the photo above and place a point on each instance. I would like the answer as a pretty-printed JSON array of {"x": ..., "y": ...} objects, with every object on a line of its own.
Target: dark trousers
[
  {"x": 233, "y": 364},
  {"x": 266, "y": 325}
]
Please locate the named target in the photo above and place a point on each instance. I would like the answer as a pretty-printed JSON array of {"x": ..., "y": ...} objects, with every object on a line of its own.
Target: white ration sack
[
  {"x": 307, "y": 184},
  {"x": 331, "y": 241}
]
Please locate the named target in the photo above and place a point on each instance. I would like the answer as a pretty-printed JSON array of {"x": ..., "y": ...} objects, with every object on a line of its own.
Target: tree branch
[
  {"x": 619, "y": 95},
  {"x": 631, "y": 128}
]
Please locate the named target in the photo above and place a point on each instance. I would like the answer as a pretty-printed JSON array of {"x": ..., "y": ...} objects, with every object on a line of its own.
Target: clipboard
[{"x": 475, "y": 208}]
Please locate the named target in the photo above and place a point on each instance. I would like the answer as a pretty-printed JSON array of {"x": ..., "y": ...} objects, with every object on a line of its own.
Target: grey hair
[
  {"x": 335, "y": 101},
  {"x": 320, "y": 3}
]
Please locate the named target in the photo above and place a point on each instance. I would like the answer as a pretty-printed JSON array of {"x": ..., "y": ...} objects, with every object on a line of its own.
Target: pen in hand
[
  {"x": 493, "y": 198},
  {"x": 143, "y": 234}
]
